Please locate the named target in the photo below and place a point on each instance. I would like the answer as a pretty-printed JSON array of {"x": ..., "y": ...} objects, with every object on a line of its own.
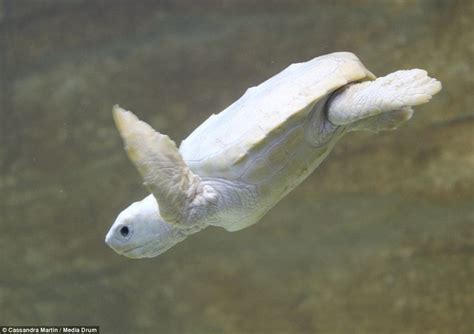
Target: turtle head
[{"x": 139, "y": 231}]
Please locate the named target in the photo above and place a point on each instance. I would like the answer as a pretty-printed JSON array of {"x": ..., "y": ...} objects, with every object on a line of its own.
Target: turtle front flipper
[
  {"x": 160, "y": 164},
  {"x": 396, "y": 92}
]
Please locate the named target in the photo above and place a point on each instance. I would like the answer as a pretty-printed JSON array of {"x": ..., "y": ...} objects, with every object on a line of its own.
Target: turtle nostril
[{"x": 124, "y": 231}]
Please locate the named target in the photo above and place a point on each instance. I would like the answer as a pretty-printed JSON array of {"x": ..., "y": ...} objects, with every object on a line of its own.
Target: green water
[{"x": 380, "y": 239}]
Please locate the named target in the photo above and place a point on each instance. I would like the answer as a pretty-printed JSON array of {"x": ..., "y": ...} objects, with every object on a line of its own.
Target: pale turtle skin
[{"x": 239, "y": 163}]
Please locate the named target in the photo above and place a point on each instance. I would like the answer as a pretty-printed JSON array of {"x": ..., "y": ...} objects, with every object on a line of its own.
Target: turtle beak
[{"x": 108, "y": 238}]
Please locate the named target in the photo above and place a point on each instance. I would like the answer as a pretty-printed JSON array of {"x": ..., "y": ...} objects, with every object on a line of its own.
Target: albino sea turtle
[{"x": 239, "y": 163}]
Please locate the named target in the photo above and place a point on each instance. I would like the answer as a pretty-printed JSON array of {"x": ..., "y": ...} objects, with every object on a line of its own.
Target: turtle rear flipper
[
  {"x": 394, "y": 92},
  {"x": 160, "y": 164},
  {"x": 385, "y": 121}
]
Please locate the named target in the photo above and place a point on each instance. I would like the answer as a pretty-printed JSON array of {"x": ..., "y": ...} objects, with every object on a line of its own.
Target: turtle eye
[{"x": 124, "y": 231}]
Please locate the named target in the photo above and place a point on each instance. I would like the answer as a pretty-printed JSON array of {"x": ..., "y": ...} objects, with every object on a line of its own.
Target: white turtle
[{"x": 239, "y": 163}]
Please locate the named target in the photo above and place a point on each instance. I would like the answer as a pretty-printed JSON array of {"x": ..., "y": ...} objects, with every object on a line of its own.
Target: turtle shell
[{"x": 226, "y": 144}]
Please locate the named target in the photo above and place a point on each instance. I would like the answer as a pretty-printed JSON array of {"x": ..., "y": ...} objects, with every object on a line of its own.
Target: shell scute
[{"x": 227, "y": 144}]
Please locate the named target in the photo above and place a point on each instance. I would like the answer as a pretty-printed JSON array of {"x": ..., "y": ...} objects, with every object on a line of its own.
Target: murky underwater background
[{"x": 380, "y": 239}]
